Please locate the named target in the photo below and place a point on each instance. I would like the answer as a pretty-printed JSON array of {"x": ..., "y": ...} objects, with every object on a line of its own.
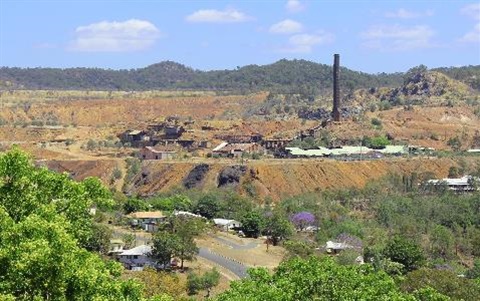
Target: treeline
[
  {"x": 286, "y": 76},
  {"x": 292, "y": 76},
  {"x": 469, "y": 75}
]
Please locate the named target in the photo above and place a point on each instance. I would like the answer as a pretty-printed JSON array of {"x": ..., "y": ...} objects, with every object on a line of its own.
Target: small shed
[
  {"x": 148, "y": 220},
  {"x": 237, "y": 149},
  {"x": 151, "y": 153}
]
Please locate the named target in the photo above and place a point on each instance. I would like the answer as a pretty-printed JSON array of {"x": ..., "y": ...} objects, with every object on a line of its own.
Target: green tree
[
  {"x": 474, "y": 272},
  {"x": 298, "y": 248},
  {"x": 100, "y": 240},
  {"x": 278, "y": 227},
  {"x": 186, "y": 229},
  {"x": 165, "y": 246},
  {"x": 207, "y": 281},
  {"x": 252, "y": 224},
  {"x": 442, "y": 242},
  {"x": 208, "y": 206},
  {"x": 134, "y": 205},
  {"x": 405, "y": 252},
  {"x": 177, "y": 239},
  {"x": 44, "y": 224},
  {"x": 444, "y": 281},
  {"x": 315, "y": 279}
]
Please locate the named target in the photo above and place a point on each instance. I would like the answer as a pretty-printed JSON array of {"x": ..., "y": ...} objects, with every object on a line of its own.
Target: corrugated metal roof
[
  {"x": 146, "y": 214},
  {"x": 345, "y": 151},
  {"x": 138, "y": 251},
  {"x": 219, "y": 147}
]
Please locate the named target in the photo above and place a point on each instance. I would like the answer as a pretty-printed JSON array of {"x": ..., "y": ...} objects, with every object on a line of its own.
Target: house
[
  {"x": 137, "y": 258},
  {"x": 226, "y": 224},
  {"x": 187, "y": 214},
  {"x": 347, "y": 151},
  {"x": 136, "y": 138},
  {"x": 173, "y": 131},
  {"x": 226, "y": 149},
  {"x": 463, "y": 184},
  {"x": 116, "y": 247},
  {"x": 342, "y": 242},
  {"x": 336, "y": 247},
  {"x": 147, "y": 220},
  {"x": 151, "y": 153}
]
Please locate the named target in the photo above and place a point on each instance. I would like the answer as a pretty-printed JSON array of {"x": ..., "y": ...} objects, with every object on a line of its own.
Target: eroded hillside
[{"x": 268, "y": 178}]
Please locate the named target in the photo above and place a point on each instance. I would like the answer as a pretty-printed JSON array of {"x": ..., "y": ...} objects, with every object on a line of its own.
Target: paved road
[
  {"x": 235, "y": 267},
  {"x": 236, "y": 246}
]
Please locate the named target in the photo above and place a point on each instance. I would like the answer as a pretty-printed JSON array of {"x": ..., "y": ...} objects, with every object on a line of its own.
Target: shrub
[{"x": 376, "y": 122}]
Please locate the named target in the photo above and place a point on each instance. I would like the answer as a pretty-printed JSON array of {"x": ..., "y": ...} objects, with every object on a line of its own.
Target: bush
[
  {"x": 117, "y": 174},
  {"x": 376, "y": 122},
  {"x": 69, "y": 142},
  {"x": 91, "y": 145},
  {"x": 405, "y": 252}
]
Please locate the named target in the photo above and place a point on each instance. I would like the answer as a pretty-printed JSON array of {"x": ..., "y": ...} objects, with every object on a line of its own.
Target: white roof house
[
  {"x": 339, "y": 246},
  {"x": 136, "y": 258},
  {"x": 227, "y": 224},
  {"x": 457, "y": 184},
  {"x": 137, "y": 251},
  {"x": 346, "y": 151},
  {"x": 186, "y": 213}
]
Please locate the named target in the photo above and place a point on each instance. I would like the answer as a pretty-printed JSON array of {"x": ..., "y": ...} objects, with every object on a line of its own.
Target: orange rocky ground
[
  {"x": 283, "y": 178},
  {"x": 99, "y": 119}
]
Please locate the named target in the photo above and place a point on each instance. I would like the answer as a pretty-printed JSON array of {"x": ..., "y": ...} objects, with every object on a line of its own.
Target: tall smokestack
[{"x": 336, "y": 87}]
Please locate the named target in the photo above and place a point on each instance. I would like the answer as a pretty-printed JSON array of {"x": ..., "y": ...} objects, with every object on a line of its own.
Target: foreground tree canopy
[
  {"x": 44, "y": 226},
  {"x": 321, "y": 279}
]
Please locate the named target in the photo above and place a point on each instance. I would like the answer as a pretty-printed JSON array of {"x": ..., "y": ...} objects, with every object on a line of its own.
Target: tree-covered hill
[{"x": 283, "y": 76}]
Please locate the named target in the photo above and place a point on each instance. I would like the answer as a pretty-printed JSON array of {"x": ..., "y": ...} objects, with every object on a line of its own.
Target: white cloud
[
  {"x": 396, "y": 37},
  {"x": 472, "y": 11},
  {"x": 304, "y": 43},
  {"x": 294, "y": 6},
  {"x": 286, "y": 27},
  {"x": 472, "y": 36},
  {"x": 217, "y": 16},
  {"x": 106, "y": 36},
  {"x": 402, "y": 13}
]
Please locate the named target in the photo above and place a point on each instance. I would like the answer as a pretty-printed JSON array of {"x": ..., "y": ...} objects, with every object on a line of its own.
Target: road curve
[{"x": 235, "y": 267}]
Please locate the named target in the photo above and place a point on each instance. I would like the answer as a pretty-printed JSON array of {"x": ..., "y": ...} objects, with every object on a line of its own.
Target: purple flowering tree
[{"x": 302, "y": 220}]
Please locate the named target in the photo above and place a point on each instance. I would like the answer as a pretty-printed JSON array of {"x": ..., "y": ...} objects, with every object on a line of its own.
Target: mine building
[{"x": 153, "y": 153}]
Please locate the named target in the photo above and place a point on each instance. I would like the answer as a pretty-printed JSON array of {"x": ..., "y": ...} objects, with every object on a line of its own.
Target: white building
[
  {"x": 226, "y": 224},
  {"x": 186, "y": 213},
  {"x": 137, "y": 258},
  {"x": 463, "y": 184}
]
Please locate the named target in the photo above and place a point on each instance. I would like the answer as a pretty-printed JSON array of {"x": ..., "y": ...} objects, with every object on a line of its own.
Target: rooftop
[
  {"x": 345, "y": 151},
  {"x": 138, "y": 251},
  {"x": 146, "y": 214}
]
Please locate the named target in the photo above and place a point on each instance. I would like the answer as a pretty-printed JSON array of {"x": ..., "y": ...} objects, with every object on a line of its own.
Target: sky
[{"x": 370, "y": 36}]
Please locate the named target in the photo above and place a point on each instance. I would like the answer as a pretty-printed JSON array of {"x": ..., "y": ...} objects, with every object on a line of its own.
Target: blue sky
[{"x": 371, "y": 36}]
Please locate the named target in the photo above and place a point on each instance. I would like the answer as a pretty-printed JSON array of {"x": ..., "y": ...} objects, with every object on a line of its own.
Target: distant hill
[
  {"x": 285, "y": 76},
  {"x": 292, "y": 76}
]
